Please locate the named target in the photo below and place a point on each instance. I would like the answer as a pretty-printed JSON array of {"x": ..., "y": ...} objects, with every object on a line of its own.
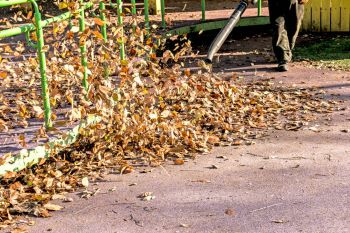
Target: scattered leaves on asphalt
[{"x": 152, "y": 110}]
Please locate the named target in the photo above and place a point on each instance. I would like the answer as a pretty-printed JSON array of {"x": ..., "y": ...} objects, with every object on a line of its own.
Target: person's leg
[
  {"x": 293, "y": 22},
  {"x": 278, "y": 10}
]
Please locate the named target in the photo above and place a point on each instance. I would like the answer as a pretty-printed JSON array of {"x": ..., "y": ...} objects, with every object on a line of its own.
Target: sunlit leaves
[{"x": 153, "y": 109}]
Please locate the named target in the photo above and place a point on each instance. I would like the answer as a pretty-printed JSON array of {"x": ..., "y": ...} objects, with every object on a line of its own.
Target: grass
[{"x": 328, "y": 52}]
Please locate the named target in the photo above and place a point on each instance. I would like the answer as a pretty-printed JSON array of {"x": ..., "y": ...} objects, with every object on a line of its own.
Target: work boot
[{"x": 282, "y": 67}]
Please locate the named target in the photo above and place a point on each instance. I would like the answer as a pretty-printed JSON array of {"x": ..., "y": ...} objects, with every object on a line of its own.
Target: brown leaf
[
  {"x": 98, "y": 21},
  {"x": 213, "y": 139},
  {"x": 179, "y": 161},
  {"x": 230, "y": 212}
]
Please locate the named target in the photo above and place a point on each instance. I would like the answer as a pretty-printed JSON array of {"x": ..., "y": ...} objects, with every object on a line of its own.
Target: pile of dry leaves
[{"x": 151, "y": 112}]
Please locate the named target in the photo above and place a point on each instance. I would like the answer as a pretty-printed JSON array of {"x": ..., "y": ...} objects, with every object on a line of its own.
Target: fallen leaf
[
  {"x": 52, "y": 207},
  {"x": 85, "y": 182},
  {"x": 202, "y": 181},
  {"x": 58, "y": 197},
  {"x": 230, "y": 212},
  {"x": 185, "y": 225},
  {"x": 179, "y": 161},
  {"x": 147, "y": 196},
  {"x": 279, "y": 221}
]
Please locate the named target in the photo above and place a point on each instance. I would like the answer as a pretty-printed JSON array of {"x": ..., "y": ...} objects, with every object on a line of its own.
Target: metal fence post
[
  {"x": 203, "y": 9},
  {"x": 120, "y": 23},
  {"x": 42, "y": 63},
  {"x": 146, "y": 12},
  {"x": 162, "y": 5},
  {"x": 133, "y": 7},
  {"x": 103, "y": 18}
]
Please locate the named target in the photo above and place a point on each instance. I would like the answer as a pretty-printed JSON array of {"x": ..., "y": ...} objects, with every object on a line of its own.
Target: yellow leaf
[{"x": 62, "y": 5}]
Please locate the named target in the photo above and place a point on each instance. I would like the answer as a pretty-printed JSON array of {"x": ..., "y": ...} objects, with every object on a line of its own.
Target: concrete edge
[{"x": 27, "y": 158}]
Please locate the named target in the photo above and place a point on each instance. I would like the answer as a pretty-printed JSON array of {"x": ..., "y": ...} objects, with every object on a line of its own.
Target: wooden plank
[
  {"x": 345, "y": 16},
  {"x": 307, "y": 21},
  {"x": 326, "y": 16},
  {"x": 155, "y": 7},
  {"x": 336, "y": 16},
  {"x": 316, "y": 15}
]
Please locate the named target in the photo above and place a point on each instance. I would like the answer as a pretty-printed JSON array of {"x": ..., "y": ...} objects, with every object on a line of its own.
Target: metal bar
[
  {"x": 259, "y": 7},
  {"x": 29, "y": 41},
  {"x": 133, "y": 7},
  {"x": 31, "y": 27},
  {"x": 103, "y": 18},
  {"x": 207, "y": 26},
  {"x": 162, "y": 5},
  {"x": 12, "y": 2},
  {"x": 42, "y": 62},
  {"x": 16, "y": 31},
  {"x": 102, "y": 8},
  {"x": 66, "y": 15},
  {"x": 133, "y": 13},
  {"x": 120, "y": 23},
  {"x": 203, "y": 9},
  {"x": 83, "y": 49},
  {"x": 146, "y": 12}
]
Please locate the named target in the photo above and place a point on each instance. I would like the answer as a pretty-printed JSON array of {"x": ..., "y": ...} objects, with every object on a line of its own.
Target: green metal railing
[
  {"x": 40, "y": 24},
  {"x": 30, "y": 157},
  {"x": 206, "y": 25},
  {"x": 38, "y": 28}
]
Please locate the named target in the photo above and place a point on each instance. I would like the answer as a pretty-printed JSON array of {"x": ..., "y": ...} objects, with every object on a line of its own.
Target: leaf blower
[{"x": 225, "y": 32}]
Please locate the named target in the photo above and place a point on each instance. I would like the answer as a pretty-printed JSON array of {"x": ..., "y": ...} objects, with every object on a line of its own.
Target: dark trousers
[{"x": 285, "y": 18}]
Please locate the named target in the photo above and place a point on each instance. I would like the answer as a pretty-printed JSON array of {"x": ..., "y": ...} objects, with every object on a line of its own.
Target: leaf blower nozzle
[{"x": 225, "y": 32}]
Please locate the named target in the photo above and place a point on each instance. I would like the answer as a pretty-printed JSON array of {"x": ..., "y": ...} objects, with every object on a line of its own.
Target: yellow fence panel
[
  {"x": 307, "y": 21},
  {"x": 327, "y": 16},
  {"x": 336, "y": 16},
  {"x": 316, "y": 15},
  {"x": 345, "y": 14}
]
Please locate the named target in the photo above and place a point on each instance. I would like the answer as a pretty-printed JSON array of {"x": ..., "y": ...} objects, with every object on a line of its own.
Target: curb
[{"x": 27, "y": 158}]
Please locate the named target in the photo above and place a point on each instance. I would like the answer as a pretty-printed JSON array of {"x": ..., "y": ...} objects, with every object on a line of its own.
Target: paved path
[{"x": 286, "y": 182}]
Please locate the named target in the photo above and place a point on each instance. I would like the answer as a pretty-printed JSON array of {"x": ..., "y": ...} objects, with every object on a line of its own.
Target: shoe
[{"x": 282, "y": 67}]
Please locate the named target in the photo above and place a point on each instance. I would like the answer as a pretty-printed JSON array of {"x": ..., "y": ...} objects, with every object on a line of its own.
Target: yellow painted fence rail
[{"x": 327, "y": 16}]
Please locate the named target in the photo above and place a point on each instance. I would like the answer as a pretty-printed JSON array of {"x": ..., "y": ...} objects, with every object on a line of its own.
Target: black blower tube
[{"x": 225, "y": 32}]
